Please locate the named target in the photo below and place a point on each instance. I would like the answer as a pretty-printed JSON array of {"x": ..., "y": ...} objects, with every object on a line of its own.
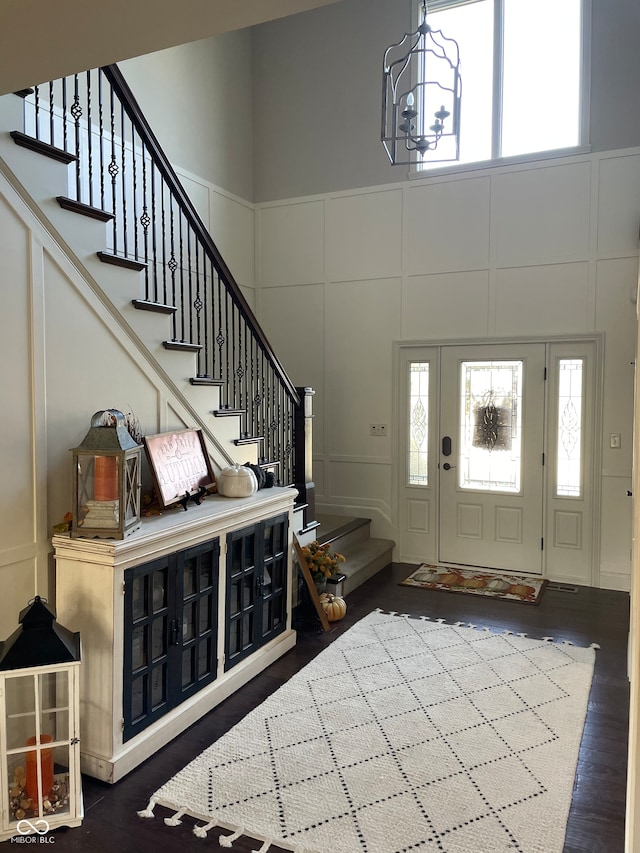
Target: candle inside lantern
[
  {"x": 105, "y": 478},
  {"x": 46, "y": 768}
]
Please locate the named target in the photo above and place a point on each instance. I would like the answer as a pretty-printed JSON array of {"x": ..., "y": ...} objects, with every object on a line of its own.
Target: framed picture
[{"x": 179, "y": 464}]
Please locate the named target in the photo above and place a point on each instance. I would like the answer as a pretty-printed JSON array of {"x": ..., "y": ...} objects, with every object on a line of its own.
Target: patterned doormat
[
  {"x": 404, "y": 734},
  {"x": 508, "y": 587}
]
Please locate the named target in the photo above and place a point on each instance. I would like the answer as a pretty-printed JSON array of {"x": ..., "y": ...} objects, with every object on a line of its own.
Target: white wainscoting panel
[
  {"x": 352, "y": 480},
  {"x": 447, "y": 226},
  {"x": 362, "y": 321},
  {"x": 616, "y": 316},
  {"x": 364, "y": 235},
  {"x": 232, "y": 228},
  {"x": 619, "y": 205},
  {"x": 291, "y": 243},
  {"x": 294, "y": 316},
  {"x": 541, "y": 215},
  {"x": 550, "y": 299},
  {"x": 449, "y": 305}
]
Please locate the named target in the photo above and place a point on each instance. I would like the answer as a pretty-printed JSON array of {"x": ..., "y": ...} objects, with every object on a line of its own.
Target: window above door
[{"x": 524, "y": 69}]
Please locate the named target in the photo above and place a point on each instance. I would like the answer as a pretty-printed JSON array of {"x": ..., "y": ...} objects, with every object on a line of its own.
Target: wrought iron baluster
[
  {"x": 190, "y": 283},
  {"x": 101, "y": 127},
  {"x": 164, "y": 242},
  {"x": 145, "y": 221},
  {"x": 173, "y": 264},
  {"x": 113, "y": 169},
  {"x": 154, "y": 228},
  {"x": 181, "y": 295},
  {"x": 198, "y": 306},
  {"x": 134, "y": 171},
  {"x": 89, "y": 140},
  {"x": 36, "y": 102},
  {"x": 123, "y": 178},
  {"x": 51, "y": 115},
  {"x": 65, "y": 130},
  {"x": 76, "y": 112}
]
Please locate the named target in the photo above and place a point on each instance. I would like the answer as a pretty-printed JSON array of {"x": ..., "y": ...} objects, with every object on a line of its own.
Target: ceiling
[{"x": 43, "y": 40}]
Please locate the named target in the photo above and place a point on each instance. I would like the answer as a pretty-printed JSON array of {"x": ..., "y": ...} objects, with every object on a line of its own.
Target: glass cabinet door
[
  {"x": 171, "y": 607},
  {"x": 257, "y": 562}
]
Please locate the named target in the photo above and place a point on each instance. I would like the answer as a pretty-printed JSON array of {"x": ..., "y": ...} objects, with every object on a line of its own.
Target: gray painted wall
[
  {"x": 197, "y": 98},
  {"x": 317, "y": 87}
]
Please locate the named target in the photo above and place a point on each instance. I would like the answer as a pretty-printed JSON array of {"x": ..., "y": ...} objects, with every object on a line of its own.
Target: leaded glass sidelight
[
  {"x": 569, "y": 438},
  {"x": 419, "y": 423},
  {"x": 491, "y": 425}
]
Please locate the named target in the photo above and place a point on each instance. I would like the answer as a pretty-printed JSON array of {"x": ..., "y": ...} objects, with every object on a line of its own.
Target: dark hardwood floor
[{"x": 596, "y": 822}]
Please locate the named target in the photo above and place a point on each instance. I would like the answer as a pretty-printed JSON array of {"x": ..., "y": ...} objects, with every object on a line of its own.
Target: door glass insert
[
  {"x": 490, "y": 456},
  {"x": 418, "y": 423},
  {"x": 569, "y": 438}
]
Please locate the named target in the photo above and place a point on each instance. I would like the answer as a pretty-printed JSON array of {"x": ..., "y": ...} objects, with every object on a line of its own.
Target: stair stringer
[{"x": 93, "y": 294}]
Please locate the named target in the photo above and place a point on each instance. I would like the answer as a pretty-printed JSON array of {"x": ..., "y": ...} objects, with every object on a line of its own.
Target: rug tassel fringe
[
  {"x": 201, "y": 831},
  {"x": 547, "y": 639},
  {"x": 175, "y": 819},
  {"x": 148, "y": 812},
  {"x": 227, "y": 840},
  {"x": 264, "y": 847},
  {"x": 595, "y": 646}
]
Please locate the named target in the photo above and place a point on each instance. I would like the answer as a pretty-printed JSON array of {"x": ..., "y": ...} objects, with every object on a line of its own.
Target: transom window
[{"x": 522, "y": 65}]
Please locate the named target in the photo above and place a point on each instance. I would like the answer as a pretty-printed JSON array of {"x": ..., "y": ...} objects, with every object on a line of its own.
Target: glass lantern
[
  {"x": 39, "y": 711},
  {"x": 106, "y": 494}
]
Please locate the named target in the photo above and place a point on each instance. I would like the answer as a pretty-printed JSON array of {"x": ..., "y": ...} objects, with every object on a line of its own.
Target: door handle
[{"x": 448, "y": 467}]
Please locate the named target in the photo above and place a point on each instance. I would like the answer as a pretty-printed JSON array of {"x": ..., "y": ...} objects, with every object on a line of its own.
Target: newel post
[{"x": 303, "y": 454}]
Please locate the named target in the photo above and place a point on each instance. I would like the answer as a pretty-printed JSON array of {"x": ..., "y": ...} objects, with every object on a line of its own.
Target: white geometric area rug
[{"x": 405, "y": 734}]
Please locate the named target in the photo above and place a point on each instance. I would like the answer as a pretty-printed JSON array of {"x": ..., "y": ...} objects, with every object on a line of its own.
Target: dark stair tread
[
  {"x": 312, "y": 525},
  {"x": 158, "y": 307},
  {"x": 265, "y": 463},
  {"x": 24, "y": 93},
  {"x": 121, "y": 261},
  {"x": 83, "y": 209},
  {"x": 248, "y": 439},
  {"x": 184, "y": 346},
  {"x": 206, "y": 380},
  {"x": 40, "y": 147},
  {"x": 225, "y": 413}
]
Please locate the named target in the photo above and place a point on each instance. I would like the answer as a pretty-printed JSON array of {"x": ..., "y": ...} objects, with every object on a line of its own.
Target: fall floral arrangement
[{"x": 321, "y": 562}]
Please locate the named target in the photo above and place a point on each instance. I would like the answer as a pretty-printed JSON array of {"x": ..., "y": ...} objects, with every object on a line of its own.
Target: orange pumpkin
[
  {"x": 333, "y": 606},
  {"x": 474, "y": 583}
]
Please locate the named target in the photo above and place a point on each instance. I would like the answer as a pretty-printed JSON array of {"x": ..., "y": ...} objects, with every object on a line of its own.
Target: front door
[{"x": 491, "y": 448}]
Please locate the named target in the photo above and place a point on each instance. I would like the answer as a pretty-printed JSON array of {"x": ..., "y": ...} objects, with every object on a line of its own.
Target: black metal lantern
[
  {"x": 39, "y": 708},
  {"x": 421, "y": 94},
  {"x": 106, "y": 483}
]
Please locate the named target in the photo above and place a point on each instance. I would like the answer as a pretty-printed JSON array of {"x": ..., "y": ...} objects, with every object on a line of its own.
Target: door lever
[{"x": 448, "y": 467}]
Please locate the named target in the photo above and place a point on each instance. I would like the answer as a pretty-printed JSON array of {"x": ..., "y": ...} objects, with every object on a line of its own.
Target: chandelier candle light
[{"x": 410, "y": 101}]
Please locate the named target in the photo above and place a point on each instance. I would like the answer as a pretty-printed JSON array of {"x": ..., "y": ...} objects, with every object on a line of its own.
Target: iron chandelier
[{"x": 420, "y": 116}]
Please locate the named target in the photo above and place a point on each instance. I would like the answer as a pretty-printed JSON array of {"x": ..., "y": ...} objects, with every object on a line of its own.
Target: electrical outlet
[
  {"x": 615, "y": 440},
  {"x": 377, "y": 429}
]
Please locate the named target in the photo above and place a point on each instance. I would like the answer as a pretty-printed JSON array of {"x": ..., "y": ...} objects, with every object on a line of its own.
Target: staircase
[
  {"x": 364, "y": 555},
  {"x": 85, "y": 160}
]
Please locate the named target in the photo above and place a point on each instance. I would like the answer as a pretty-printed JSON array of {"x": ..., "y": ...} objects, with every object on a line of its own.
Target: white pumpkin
[{"x": 236, "y": 481}]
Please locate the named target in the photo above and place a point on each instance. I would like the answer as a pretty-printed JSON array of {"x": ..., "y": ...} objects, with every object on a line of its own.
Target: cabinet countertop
[{"x": 160, "y": 533}]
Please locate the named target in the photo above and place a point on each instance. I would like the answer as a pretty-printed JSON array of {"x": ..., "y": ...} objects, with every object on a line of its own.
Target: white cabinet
[{"x": 174, "y": 619}]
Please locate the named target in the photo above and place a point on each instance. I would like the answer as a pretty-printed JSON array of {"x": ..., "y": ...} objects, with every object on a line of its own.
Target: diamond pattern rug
[{"x": 405, "y": 734}]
